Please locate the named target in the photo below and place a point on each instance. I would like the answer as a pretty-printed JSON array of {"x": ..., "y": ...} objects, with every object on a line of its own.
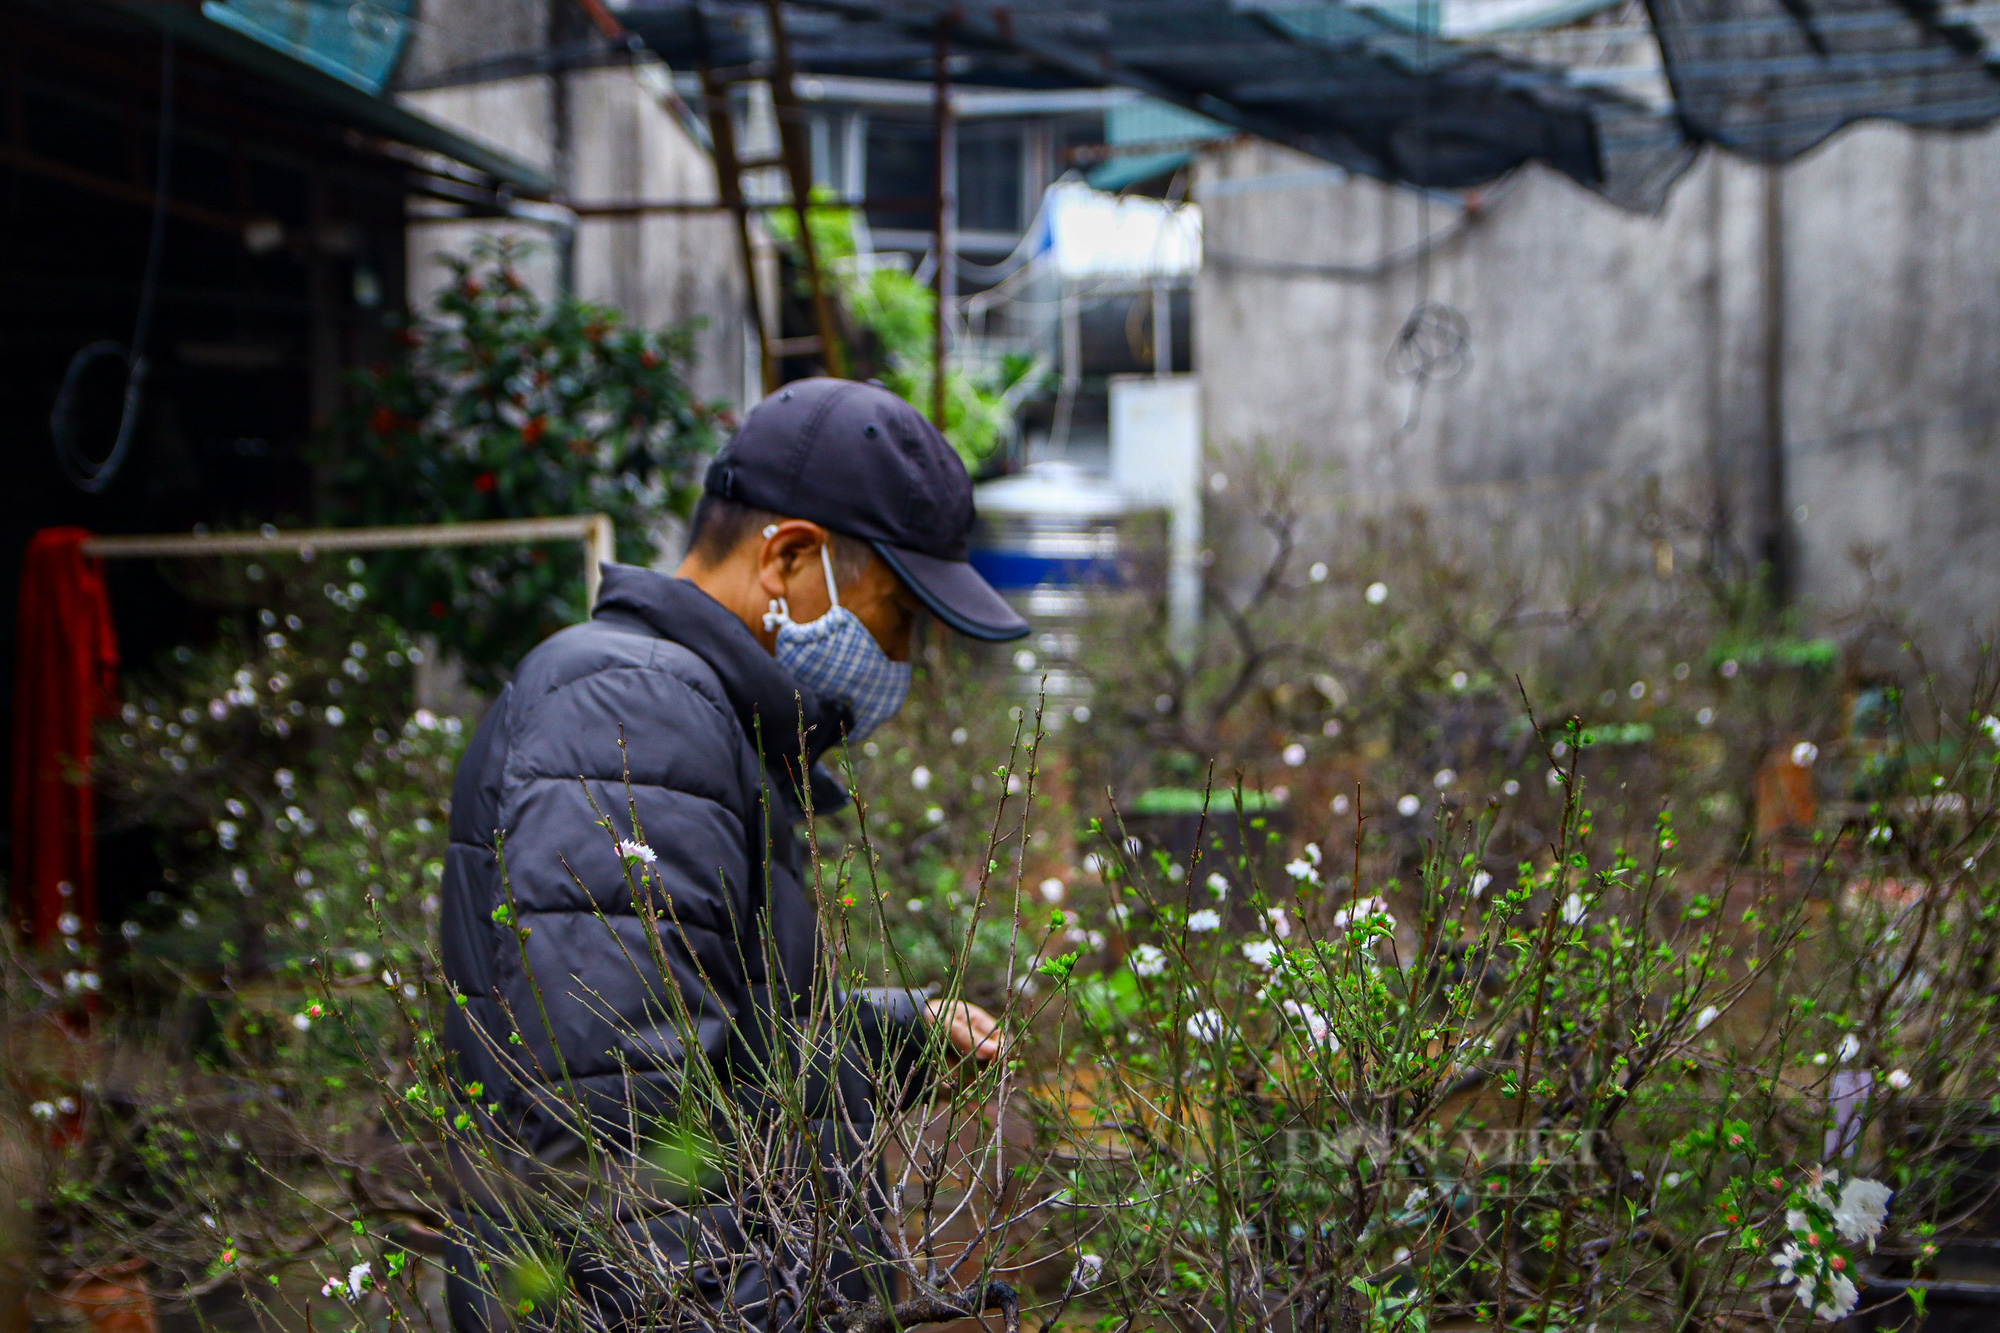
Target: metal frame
[
  {"x": 795, "y": 156},
  {"x": 594, "y": 531}
]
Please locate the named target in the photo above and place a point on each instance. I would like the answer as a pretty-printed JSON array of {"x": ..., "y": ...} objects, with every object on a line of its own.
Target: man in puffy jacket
[{"x": 701, "y": 703}]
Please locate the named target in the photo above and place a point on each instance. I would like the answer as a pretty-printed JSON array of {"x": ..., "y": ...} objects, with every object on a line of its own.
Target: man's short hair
[{"x": 721, "y": 525}]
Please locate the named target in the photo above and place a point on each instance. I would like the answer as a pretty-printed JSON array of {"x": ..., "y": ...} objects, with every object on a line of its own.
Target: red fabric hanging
[{"x": 65, "y": 678}]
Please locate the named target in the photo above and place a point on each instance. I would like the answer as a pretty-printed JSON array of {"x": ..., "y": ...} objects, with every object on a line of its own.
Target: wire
[{"x": 94, "y": 478}]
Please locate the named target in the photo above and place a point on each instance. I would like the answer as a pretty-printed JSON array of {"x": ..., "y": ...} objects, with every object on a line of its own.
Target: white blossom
[
  {"x": 1218, "y": 886},
  {"x": 1364, "y": 910},
  {"x": 1377, "y": 593},
  {"x": 1863, "y": 1208},
  {"x": 920, "y": 778},
  {"x": 1408, "y": 805},
  {"x": 1302, "y": 870},
  {"x": 1206, "y": 1026},
  {"x": 1850, "y": 1046},
  {"x": 1804, "y": 753},
  {"x": 1573, "y": 910},
  {"x": 1263, "y": 953},
  {"x": 1708, "y": 1015},
  {"x": 43, "y": 1110},
  {"x": 1293, "y": 755},
  {"x": 1318, "y": 1031},
  {"x": 1841, "y": 1298},
  {"x": 1991, "y": 726},
  {"x": 633, "y": 850},
  {"x": 1147, "y": 960},
  {"x": 303, "y": 1022},
  {"x": 1277, "y": 922},
  {"x": 1089, "y": 1268},
  {"x": 357, "y": 1279},
  {"x": 1899, "y": 1079},
  {"x": 1786, "y": 1261},
  {"x": 1480, "y": 879},
  {"x": 1205, "y": 920},
  {"x": 1053, "y": 890},
  {"x": 1444, "y": 777}
]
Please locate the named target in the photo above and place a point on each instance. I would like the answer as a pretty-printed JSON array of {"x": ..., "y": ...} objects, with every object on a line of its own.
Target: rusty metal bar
[
  {"x": 796, "y": 152},
  {"x": 622, "y": 208},
  {"x": 109, "y": 187},
  {"x": 593, "y": 531},
  {"x": 944, "y": 214},
  {"x": 729, "y": 183}
]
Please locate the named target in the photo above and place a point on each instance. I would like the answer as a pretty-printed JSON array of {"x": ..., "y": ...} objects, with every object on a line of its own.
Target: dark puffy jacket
[{"x": 690, "y": 691}]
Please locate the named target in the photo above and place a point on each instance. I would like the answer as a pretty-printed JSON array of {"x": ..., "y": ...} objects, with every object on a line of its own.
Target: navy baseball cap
[{"x": 857, "y": 459}]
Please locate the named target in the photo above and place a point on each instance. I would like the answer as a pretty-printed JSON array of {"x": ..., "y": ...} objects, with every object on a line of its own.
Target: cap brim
[{"x": 956, "y": 593}]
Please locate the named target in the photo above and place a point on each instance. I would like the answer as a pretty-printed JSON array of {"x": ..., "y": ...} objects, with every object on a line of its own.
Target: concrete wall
[
  {"x": 659, "y": 268},
  {"x": 1622, "y": 362},
  {"x": 605, "y": 137}
]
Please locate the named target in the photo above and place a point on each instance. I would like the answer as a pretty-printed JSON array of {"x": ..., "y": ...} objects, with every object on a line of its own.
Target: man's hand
[{"x": 971, "y": 1031}]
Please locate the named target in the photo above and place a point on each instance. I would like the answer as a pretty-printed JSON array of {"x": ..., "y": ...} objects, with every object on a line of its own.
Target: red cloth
[{"x": 65, "y": 678}]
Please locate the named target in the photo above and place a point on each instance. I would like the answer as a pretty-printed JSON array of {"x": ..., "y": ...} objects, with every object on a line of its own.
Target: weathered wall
[
  {"x": 1615, "y": 358},
  {"x": 605, "y": 137},
  {"x": 659, "y": 268}
]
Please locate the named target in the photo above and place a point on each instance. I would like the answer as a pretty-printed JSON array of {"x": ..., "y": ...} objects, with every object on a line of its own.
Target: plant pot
[{"x": 116, "y": 1299}]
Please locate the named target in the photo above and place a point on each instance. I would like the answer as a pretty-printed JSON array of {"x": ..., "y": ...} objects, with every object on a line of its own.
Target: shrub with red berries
[{"x": 507, "y": 406}]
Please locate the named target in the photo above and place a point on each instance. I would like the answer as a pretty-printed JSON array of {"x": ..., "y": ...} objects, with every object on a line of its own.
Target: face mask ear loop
[{"x": 826, "y": 560}]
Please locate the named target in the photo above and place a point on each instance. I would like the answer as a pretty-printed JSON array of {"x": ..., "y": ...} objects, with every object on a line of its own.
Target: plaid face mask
[{"x": 837, "y": 657}]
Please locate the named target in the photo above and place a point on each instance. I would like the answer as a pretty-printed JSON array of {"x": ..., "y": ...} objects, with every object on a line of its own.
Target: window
[{"x": 989, "y": 177}]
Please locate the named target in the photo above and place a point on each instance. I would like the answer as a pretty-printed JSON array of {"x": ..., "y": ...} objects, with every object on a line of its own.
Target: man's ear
[{"x": 787, "y": 545}]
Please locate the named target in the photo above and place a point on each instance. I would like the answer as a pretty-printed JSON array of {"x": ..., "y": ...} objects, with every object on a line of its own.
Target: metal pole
[
  {"x": 600, "y": 548},
  {"x": 796, "y": 149},
  {"x": 595, "y": 531},
  {"x": 729, "y": 182},
  {"x": 1163, "y": 329},
  {"x": 1777, "y": 525},
  {"x": 944, "y": 215}
]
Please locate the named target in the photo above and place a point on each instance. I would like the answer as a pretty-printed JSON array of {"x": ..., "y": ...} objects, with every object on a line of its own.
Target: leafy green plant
[
  {"x": 505, "y": 406},
  {"x": 897, "y": 315}
]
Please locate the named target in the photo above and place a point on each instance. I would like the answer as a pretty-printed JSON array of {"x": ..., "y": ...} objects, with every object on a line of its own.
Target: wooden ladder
[{"x": 795, "y": 156}]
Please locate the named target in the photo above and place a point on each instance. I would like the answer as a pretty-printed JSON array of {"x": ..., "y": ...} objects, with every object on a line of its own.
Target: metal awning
[
  {"x": 1381, "y": 91},
  {"x": 322, "y": 93},
  {"x": 1770, "y": 79}
]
